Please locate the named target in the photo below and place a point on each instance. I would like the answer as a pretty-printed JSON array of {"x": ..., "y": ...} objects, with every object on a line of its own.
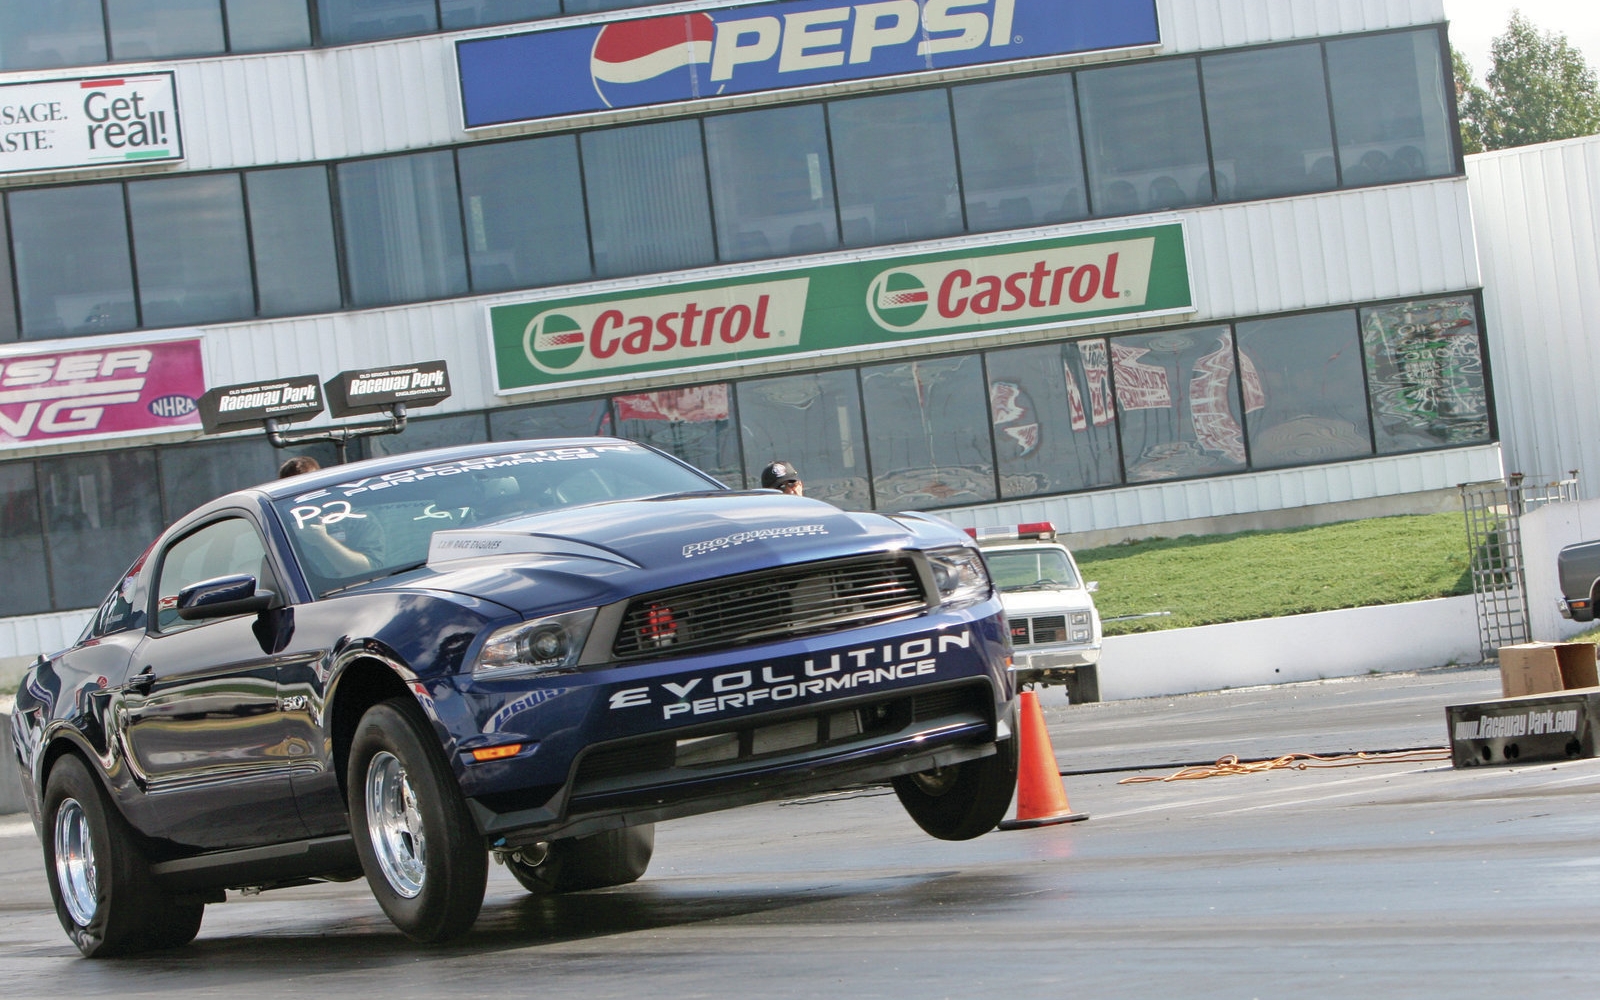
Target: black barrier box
[{"x": 1558, "y": 725}]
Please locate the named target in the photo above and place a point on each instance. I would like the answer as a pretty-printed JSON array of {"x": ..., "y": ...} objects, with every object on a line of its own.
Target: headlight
[
  {"x": 961, "y": 576},
  {"x": 544, "y": 645}
]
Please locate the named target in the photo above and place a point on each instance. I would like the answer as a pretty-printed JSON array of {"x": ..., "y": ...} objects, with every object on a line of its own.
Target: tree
[
  {"x": 1472, "y": 104},
  {"x": 1539, "y": 89}
]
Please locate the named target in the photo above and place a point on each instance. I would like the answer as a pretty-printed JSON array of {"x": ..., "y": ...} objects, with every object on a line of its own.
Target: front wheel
[
  {"x": 963, "y": 800},
  {"x": 422, "y": 855},
  {"x": 613, "y": 857},
  {"x": 99, "y": 879}
]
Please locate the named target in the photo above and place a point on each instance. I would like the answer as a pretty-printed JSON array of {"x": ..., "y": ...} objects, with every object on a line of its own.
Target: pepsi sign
[{"x": 757, "y": 48}]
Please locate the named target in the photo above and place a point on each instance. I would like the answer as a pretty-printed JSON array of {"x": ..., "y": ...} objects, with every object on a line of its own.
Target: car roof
[{"x": 335, "y": 474}]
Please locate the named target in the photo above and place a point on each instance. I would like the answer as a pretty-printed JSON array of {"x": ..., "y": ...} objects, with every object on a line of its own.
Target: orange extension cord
[{"x": 1231, "y": 764}]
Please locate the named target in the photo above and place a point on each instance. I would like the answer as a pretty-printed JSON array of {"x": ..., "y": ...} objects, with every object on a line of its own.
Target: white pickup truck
[{"x": 1055, "y": 629}]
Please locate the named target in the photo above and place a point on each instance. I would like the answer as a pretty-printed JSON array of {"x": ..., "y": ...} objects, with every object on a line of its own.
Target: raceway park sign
[
  {"x": 774, "y": 46},
  {"x": 842, "y": 308},
  {"x": 94, "y": 122},
  {"x": 103, "y": 392}
]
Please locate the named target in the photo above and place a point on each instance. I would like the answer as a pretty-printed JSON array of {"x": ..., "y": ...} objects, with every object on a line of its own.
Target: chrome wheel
[
  {"x": 75, "y": 868},
  {"x": 395, "y": 823}
]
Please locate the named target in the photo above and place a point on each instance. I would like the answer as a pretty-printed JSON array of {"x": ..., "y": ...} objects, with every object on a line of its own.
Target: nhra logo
[
  {"x": 172, "y": 406},
  {"x": 661, "y": 59}
]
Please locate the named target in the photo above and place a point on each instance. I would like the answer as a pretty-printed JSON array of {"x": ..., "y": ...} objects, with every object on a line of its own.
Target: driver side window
[{"x": 228, "y": 547}]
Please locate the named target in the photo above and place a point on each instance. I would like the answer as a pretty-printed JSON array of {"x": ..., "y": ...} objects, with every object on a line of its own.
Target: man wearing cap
[{"x": 782, "y": 476}]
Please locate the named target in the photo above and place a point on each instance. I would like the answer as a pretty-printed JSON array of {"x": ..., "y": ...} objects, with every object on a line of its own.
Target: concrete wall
[{"x": 1544, "y": 532}]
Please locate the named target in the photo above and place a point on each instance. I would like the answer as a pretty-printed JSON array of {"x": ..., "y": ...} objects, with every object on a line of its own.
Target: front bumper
[{"x": 1032, "y": 666}]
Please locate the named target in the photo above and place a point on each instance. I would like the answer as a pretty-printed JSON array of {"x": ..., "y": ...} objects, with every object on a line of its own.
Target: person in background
[
  {"x": 353, "y": 545},
  {"x": 781, "y": 476}
]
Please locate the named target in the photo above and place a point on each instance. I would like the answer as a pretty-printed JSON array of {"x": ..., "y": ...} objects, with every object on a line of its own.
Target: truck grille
[
  {"x": 784, "y": 602},
  {"x": 1037, "y": 631}
]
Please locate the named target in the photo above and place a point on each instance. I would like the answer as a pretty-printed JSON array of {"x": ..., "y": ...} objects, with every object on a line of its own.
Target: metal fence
[{"x": 1494, "y": 538}]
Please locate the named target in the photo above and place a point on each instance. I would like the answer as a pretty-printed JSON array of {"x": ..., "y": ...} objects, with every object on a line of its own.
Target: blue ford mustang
[{"x": 534, "y": 650}]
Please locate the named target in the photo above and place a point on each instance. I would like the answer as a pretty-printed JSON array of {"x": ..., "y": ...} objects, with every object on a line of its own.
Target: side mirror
[
  {"x": 222, "y": 597},
  {"x": 1093, "y": 586}
]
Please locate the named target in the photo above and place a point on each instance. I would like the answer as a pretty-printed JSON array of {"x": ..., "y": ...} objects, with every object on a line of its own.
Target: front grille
[
  {"x": 1050, "y": 628},
  {"x": 784, "y": 602}
]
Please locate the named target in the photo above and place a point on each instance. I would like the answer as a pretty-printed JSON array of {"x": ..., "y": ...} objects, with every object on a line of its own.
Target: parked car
[
  {"x": 1055, "y": 627},
  {"x": 534, "y": 650},
  {"x": 1578, "y": 567}
]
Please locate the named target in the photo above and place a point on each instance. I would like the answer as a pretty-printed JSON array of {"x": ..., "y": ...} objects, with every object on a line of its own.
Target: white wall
[{"x": 1544, "y": 532}]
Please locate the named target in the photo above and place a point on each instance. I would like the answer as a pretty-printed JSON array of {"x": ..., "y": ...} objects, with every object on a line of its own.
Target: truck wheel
[
  {"x": 1083, "y": 686},
  {"x": 422, "y": 855},
  {"x": 964, "y": 800},
  {"x": 614, "y": 857},
  {"x": 99, "y": 879}
]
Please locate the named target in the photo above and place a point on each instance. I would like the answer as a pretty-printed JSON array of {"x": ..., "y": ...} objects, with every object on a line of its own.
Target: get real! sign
[
  {"x": 842, "y": 308},
  {"x": 100, "y": 121}
]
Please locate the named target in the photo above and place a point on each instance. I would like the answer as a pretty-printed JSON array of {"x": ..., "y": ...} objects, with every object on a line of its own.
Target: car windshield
[
  {"x": 375, "y": 526},
  {"x": 1042, "y": 568}
]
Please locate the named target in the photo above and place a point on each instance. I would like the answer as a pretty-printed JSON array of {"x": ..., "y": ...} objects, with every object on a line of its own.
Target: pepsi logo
[
  {"x": 635, "y": 62},
  {"x": 172, "y": 406}
]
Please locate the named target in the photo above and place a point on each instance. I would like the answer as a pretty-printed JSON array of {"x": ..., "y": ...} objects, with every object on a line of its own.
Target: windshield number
[{"x": 329, "y": 513}]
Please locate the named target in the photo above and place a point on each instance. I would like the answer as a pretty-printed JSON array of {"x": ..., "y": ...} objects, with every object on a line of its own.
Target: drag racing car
[{"x": 532, "y": 651}]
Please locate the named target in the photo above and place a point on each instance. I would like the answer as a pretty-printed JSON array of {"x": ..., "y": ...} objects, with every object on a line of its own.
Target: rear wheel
[
  {"x": 963, "y": 800},
  {"x": 99, "y": 879},
  {"x": 614, "y": 857},
  {"x": 421, "y": 852},
  {"x": 1083, "y": 685}
]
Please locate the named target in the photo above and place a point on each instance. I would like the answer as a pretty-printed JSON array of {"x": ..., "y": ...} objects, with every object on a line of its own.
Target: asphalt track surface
[{"x": 1383, "y": 880}]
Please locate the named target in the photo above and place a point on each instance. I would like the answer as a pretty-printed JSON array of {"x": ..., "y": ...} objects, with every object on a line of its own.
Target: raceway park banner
[
  {"x": 841, "y": 308},
  {"x": 86, "y": 393},
  {"x": 773, "y": 46},
  {"x": 89, "y": 122}
]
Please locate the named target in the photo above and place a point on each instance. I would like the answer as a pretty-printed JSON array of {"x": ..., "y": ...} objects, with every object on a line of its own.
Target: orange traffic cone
[{"x": 1041, "y": 796}]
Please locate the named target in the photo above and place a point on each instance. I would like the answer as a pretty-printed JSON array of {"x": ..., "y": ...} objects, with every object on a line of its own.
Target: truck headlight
[
  {"x": 960, "y": 575},
  {"x": 544, "y": 645}
]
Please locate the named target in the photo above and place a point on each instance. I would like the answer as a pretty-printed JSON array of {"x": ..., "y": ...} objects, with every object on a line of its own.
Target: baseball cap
[{"x": 777, "y": 474}]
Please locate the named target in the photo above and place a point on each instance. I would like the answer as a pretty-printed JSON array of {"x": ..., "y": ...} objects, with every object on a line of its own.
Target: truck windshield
[{"x": 1031, "y": 569}]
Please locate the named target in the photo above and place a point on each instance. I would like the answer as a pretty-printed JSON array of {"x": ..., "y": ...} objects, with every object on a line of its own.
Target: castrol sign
[{"x": 841, "y": 308}]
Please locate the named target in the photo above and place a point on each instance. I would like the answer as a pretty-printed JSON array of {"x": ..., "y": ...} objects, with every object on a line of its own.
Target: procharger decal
[
  {"x": 843, "y": 308},
  {"x": 755, "y": 48},
  {"x": 773, "y": 686},
  {"x": 87, "y": 393}
]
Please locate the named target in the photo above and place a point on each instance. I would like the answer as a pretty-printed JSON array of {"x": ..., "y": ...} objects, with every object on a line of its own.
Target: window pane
[
  {"x": 896, "y": 165},
  {"x": 156, "y": 29},
  {"x": 193, "y": 258},
  {"x": 771, "y": 182},
  {"x": 584, "y": 418},
  {"x": 8, "y": 305},
  {"x": 1142, "y": 126},
  {"x": 648, "y": 209},
  {"x": 1390, "y": 108},
  {"x": 929, "y": 439},
  {"x": 362, "y": 20},
  {"x": 1177, "y": 404},
  {"x": 587, "y": 6},
  {"x": 471, "y": 13},
  {"x": 291, "y": 230},
  {"x": 1304, "y": 399},
  {"x": 197, "y": 474},
  {"x": 1425, "y": 373},
  {"x": 22, "y": 585},
  {"x": 225, "y": 548},
  {"x": 814, "y": 422},
  {"x": 524, "y": 211},
  {"x": 264, "y": 25},
  {"x": 73, "y": 273},
  {"x": 1021, "y": 164},
  {"x": 1268, "y": 112},
  {"x": 695, "y": 424},
  {"x": 45, "y": 35},
  {"x": 434, "y": 432},
  {"x": 402, "y": 228},
  {"x": 1054, "y": 424},
  {"x": 100, "y": 512}
]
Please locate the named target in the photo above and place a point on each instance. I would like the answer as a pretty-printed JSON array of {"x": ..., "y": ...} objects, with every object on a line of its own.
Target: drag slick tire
[
  {"x": 963, "y": 800},
  {"x": 613, "y": 857},
  {"x": 99, "y": 880},
  {"x": 422, "y": 854}
]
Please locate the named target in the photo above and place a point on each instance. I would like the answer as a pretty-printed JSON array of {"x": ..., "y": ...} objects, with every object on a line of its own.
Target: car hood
[
  {"x": 1035, "y": 602},
  {"x": 600, "y": 553}
]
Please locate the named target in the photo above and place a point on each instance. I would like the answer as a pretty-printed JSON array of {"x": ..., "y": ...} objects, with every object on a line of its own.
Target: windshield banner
[{"x": 842, "y": 308}]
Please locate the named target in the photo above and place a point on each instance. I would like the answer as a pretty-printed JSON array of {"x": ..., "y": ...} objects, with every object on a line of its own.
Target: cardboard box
[{"x": 1537, "y": 667}]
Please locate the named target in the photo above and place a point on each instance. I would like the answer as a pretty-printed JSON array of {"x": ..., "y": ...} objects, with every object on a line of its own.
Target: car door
[{"x": 203, "y": 725}]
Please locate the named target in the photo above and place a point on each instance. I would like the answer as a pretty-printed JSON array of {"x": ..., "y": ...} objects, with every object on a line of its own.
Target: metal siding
[{"x": 1537, "y": 213}]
